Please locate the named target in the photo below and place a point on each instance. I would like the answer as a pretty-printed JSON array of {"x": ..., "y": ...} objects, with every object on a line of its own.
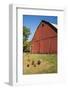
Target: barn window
[{"x": 42, "y": 25}]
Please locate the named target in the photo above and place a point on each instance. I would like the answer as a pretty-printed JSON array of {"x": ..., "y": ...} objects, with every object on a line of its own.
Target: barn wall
[
  {"x": 44, "y": 40},
  {"x": 47, "y": 32},
  {"x": 35, "y": 47},
  {"x": 53, "y": 45}
]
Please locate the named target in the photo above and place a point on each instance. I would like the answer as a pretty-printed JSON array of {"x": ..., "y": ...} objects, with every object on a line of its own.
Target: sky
[{"x": 32, "y": 22}]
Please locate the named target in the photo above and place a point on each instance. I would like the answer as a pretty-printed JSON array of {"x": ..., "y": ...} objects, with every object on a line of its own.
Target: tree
[
  {"x": 26, "y": 33},
  {"x": 26, "y": 46}
]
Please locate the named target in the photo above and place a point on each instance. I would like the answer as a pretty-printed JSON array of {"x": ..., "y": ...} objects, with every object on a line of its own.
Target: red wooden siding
[{"x": 45, "y": 39}]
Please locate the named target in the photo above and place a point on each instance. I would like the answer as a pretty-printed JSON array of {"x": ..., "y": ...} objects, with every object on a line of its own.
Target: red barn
[{"x": 44, "y": 39}]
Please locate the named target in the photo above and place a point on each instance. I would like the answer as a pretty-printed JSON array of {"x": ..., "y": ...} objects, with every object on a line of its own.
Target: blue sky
[{"x": 32, "y": 22}]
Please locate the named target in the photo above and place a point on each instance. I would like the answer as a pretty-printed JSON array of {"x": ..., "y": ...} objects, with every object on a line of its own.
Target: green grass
[{"x": 48, "y": 63}]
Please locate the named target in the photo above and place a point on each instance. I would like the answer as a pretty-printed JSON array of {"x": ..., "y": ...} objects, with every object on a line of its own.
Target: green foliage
[
  {"x": 26, "y": 33},
  {"x": 26, "y": 44}
]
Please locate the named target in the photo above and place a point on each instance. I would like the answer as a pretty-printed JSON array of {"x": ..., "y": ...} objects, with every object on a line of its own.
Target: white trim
[{"x": 12, "y": 38}]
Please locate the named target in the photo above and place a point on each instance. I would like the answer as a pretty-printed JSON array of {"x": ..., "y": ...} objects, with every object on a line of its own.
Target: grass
[{"x": 48, "y": 63}]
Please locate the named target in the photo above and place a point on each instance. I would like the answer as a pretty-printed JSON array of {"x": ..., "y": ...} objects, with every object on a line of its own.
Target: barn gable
[
  {"x": 45, "y": 39},
  {"x": 42, "y": 32},
  {"x": 54, "y": 28}
]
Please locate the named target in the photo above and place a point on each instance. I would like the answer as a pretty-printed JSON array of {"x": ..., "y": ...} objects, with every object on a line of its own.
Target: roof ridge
[
  {"x": 46, "y": 22},
  {"x": 52, "y": 26}
]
